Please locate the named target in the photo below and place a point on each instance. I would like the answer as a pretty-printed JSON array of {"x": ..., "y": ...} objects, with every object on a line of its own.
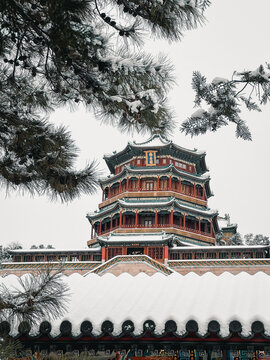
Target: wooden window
[
  {"x": 148, "y": 223},
  {"x": 259, "y": 254},
  {"x": 174, "y": 256},
  {"x": 51, "y": 258},
  {"x": 211, "y": 255},
  {"x": 236, "y": 255},
  {"x": 187, "y": 256},
  {"x": 97, "y": 257},
  {"x": 112, "y": 252},
  {"x": 224, "y": 255},
  {"x": 156, "y": 253},
  {"x": 149, "y": 185},
  {"x": 28, "y": 258},
  {"x": 199, "y": 255}
]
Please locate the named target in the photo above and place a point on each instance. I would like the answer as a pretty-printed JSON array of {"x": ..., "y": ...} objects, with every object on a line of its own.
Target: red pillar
[
  {"x": 199, "y": 225},
  {"x": 120, "y": 186},
  {"x": 171, "y": 218},
  {"x": 166, "y": 254},
  {"x": 179, "y": 185},
  {"x": 111, "y": 224},
  {"x": 109, "y": 192},
  {"x": 170, "y": 183},
  {"x": 211, "y": 229},
  {"x": 194, "y": 190},
  {"x": 139, "y": 184},
  {"x": 136, "y": 219},
  {"x": 158, "y": 183},
  {"x": 156, "y": 219},
  {"x": 203, "y": 193},
  {"x": 92, "y": 231},
  {"x": 184, "y": 226},
  {"x": 103, "y": 254},
  {"x": 127, "y": 183}
]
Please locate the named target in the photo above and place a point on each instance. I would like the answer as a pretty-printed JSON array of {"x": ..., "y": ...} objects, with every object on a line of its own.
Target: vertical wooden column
[
  {"x": 184, "y": 226},
  {"x": 127, "y": 183},
  {"x": 102, "y": 195},
  {"x": 170, "y": 182},
  {"x": 194, "y": 190},
  {"x": 111, "y": 224},
  {"x": 166, "y": 254},
  {"x": 103, "y": 254},
  {"x": 139, "y": 184},
  {"x": 200, "y": 225},
  {"x": 136, "y": 219},
  {"x": 120, "y": 186},
  {"x": 158, "y": 183},
  {"x": 156, "y": 218},
  {"x": 211, "y": 229},
  {"x": 203, "y": 196},
  {"x": 179, "y": 186},
  {"x": 171, "y": 218},
  {"x": 109, "y": 192},
  {"x": 92, "y": 231}
]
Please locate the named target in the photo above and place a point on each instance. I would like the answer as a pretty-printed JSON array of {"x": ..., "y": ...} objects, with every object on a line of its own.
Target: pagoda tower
[{"x": 155, "y": 199}]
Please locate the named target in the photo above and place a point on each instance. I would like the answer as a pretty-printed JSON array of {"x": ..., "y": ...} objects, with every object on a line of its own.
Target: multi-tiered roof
[{"x": 156, "y": 197}]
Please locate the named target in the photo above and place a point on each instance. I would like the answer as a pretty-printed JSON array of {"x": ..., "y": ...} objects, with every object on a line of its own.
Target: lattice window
[
  {"x": 156, "y": 253},
  {"x": 112, "y": 252},
  {"x": 224, "y": 255},
  {"x": 199, "y": 255},
  {"x": 259, "y": 254},
  {"x": 97, "y": 257},
  {"x": 174, "y": 256},
  {"x": 236, "y": 255},
  {"x": 211, "y": 255},
  {"x": 187, "y": 256}
]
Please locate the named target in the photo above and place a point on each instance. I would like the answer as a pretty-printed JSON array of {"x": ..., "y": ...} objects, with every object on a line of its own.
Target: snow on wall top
[{"x": 161, "y": 298}]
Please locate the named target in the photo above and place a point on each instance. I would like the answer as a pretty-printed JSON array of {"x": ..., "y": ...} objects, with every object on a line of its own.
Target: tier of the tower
[{"x": 156, "y": 186}]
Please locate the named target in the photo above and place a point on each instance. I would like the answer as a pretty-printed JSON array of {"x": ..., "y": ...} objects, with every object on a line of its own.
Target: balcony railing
[
  {"x": 177, "y": 190},
  {"x": 153, "y": 226}
]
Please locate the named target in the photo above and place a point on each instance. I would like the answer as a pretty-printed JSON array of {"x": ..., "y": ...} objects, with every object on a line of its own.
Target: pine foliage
[
  {"x": 55, "y": 53},
  {"x": 224, "y": 99},
  {"x": 37, "y": 296},
  {"x": 43, "y": 295},
  {"x": 236, "y": 239},
  {"x": 259, "y": 239}
]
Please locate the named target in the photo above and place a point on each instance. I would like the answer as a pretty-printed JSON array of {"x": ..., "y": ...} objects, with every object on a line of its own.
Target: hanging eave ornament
[{"x": 150, "y": 158}]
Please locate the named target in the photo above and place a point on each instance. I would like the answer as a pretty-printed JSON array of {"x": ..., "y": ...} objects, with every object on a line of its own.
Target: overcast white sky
[{"x": 235, "y": 37}]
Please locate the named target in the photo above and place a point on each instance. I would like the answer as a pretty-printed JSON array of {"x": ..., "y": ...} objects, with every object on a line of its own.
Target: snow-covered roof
[
  {"x": 150, "y": 202},
  {"x": 202, "y": 178},
  {"x": 140, "y": 237},
  {"x": 19, "y": 251},
  {"x": 231, "y": 247},
  {"x": 155, "y": 140},
  {"x": 162, "y": 298}
]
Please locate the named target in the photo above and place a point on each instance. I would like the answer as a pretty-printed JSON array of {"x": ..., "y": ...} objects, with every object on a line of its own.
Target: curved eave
[
  {"x": 197, "y": 157},
  {"x": 161, "y": 204},
  {"x": 159, "y": 170}
]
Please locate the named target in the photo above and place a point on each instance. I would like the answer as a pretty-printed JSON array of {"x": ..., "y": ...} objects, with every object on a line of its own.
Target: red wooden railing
[{"x": 149, "y": 226}]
